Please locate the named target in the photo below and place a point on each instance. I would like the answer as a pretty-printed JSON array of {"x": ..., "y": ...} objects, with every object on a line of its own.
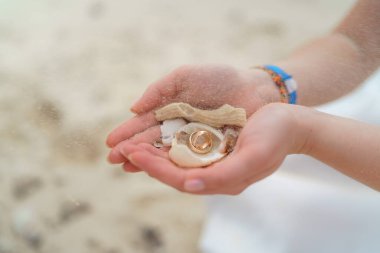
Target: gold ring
[{"x": 200, "y": 142}]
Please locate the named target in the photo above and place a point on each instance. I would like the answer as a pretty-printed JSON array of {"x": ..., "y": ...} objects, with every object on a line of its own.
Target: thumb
[
  {"x": 222, "y": 176},
  {"x": 159, "y": 93},
  {"x": 148, "y": 101}
]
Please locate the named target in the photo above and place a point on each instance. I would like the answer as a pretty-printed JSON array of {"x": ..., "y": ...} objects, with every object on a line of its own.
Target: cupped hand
[
  {"x": 202, "y": 86},
  {"x": 270, "y": 134}
]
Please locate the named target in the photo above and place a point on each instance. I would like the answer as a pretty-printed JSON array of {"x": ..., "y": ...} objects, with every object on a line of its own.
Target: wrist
[
  {"x": 306, "y": 127},
  {"x": 287, "y": 86},
  {"x": 268, "y": 90},
  {"x": 265, "y": 89},
  {"x": 291, "y": 122},
  {"x": 257, "y": 90}
]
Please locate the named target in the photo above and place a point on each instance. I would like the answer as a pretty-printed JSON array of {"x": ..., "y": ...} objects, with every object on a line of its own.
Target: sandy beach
[{"x": 70, "y": 70}]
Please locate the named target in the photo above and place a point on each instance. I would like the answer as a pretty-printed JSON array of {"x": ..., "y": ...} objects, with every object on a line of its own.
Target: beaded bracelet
[{"x": 286, "y": 84}]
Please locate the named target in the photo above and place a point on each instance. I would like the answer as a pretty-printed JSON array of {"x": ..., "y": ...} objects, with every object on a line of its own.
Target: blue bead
[{"x": 293, "y": 98}]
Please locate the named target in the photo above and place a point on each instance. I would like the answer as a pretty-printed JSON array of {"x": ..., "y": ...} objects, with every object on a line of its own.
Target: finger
[
  {"x": 159, "y": 168},
  {"x": 116, "y": 155},
  {"x": 166, "y": 172},
  {"x": 149, "y": 100},
  {"x": 157, "y": 94},
  {"x": 119, "y": 153},
  {"x": 162, "y": 152},
  {"x": 222, "y": 176},
  {"x": 233, "y": 189},
  {"x": 130, "y": 128},
  {"x": 129, "y": 167}
]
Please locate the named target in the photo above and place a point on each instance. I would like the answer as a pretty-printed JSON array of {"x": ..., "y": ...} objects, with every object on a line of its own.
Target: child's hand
[
  {"x": 270, "y": 134},
  {"x": 205, "y": 86}
]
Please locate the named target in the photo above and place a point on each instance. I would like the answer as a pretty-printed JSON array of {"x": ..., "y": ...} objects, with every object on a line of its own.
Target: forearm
[
  {"x": 332, "y": 66},
  {"x": 349, "y": 146}
]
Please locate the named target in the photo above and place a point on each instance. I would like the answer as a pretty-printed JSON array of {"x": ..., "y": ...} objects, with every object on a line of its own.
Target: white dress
[{"x": 305, "y": 206}]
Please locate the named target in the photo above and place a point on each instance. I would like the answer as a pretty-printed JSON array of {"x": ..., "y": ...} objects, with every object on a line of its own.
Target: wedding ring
[{"x": 200, "y": 142}]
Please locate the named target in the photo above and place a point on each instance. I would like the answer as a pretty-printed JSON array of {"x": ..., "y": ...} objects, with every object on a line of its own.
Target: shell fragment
[{"x": 168, "y": 130}]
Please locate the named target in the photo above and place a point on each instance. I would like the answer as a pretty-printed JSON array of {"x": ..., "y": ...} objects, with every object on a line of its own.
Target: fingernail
[
  {"x": 130, "y": 159},
  {"x": 115, "y": 156},
  {"x": 133, "y": 107},
  {"x": 194, "y": 185},
  {"x": 133, "y": 110}
]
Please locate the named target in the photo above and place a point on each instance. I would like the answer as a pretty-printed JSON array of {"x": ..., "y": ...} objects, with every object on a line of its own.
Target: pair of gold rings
[{"x": 200, "y": 142}]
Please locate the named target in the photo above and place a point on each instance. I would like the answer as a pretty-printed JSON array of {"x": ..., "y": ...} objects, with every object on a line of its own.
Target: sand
[{"x": 70, "y": 70}]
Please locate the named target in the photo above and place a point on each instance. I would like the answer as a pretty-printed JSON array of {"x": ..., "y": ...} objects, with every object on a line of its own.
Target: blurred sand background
[{"x": 69, "y": 71}]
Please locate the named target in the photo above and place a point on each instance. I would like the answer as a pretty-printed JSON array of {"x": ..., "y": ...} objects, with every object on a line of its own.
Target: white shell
[
  {"x": 169, "y": 128},
  {"x": 183, "y": 156}
]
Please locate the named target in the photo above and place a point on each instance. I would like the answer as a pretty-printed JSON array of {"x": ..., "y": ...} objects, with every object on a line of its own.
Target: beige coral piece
[{"x": 224, "y": 115}]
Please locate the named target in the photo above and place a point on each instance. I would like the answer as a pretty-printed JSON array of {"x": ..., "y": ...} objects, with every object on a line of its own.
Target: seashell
[
  {"x": 169, "y": 128},
  {"x": 158, "y": 144},
  {"x": 198, "y": 145},
  {"x": 224, "y": 115}
]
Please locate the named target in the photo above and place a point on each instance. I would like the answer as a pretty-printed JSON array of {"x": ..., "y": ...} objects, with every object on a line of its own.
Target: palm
[{"x": 262, "y": 146}]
